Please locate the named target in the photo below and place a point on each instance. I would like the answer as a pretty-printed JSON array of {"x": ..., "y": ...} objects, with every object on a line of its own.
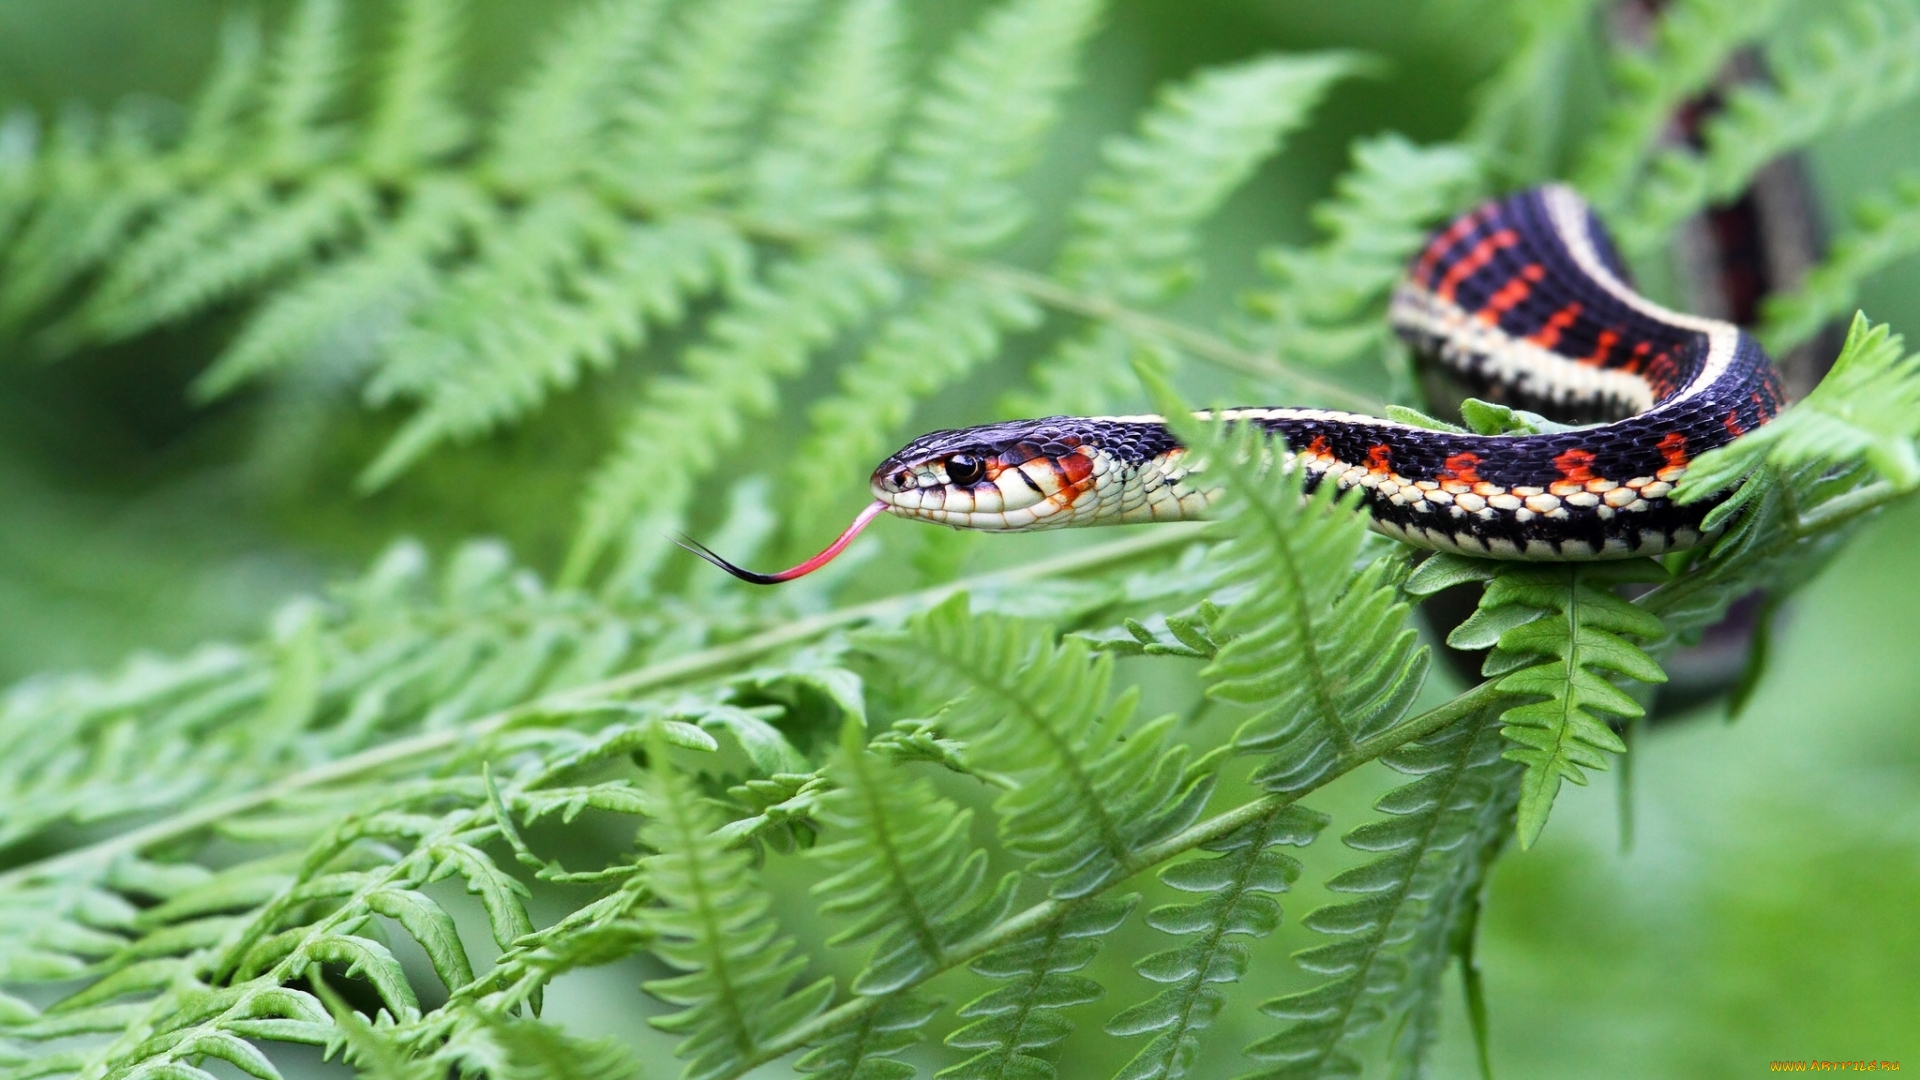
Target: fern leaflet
[
  {"x": 904, "y": 871},
  {"x": 715, "y": 925},
  {"x": 1393, "y": 942},
  {"x": 1021, "y": 1019},
  {"x": 1559, "y": 634},
  {"x": 1322, "y": 650},
  {"x": 1236, "y": 883}
]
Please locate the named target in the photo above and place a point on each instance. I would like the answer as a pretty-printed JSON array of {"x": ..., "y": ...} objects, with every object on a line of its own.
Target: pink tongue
[{"x": 872, "y": 511}]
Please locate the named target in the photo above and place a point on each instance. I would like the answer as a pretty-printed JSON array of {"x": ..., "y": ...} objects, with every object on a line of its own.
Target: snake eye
[{"x": 965, "y": 470}]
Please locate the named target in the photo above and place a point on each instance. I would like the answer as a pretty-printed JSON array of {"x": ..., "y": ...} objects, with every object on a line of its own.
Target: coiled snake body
[{"x": 1526, "y": 300}]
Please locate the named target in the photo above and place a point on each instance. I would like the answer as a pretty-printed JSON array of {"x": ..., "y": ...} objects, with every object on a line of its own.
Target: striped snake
[{"x": 1526, "y": 300}]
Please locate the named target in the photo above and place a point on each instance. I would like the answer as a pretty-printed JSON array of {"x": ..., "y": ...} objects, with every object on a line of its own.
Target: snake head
[{"x": 1019, "y": 475}]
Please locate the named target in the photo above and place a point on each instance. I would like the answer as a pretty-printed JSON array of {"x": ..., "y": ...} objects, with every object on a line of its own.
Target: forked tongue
[{"x": 872, "y": 511}]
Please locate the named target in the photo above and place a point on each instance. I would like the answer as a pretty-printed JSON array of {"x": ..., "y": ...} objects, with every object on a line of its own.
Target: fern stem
[
  {"x": 1841, "y": 509},
  {"x": 1047, "y": 912},
  {"x": 666, "y": 673}
]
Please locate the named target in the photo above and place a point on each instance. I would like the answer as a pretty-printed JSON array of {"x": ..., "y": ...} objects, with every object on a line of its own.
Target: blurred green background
[{"x": 1768, "y": 908}]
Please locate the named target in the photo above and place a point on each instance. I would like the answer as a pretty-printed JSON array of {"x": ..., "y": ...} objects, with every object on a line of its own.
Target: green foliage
[
  {"x": 1847, "y": 67},
  {"x": 1036, "y": 712},
  {"x": 1392, "y": 944},
  {"x": 1327, "y": 302},
  {"x": 387, "y": 824},
  {"x": 1235, "y": 884},
  {"x": 714, "y": 924},
  {"x": 1558, "y": 634},
  {"x": 1318, "y": 645},
  {"x": 1886, "y": 230},
  {"x": 1691, "y": 44},
  {"x": 1022, "y": 1017}
]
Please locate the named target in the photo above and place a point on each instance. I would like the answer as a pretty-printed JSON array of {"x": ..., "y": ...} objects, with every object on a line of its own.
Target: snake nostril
[{"x": 901, "y": 479}]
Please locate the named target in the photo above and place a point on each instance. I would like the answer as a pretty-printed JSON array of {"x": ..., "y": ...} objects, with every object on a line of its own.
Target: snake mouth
[{"x": 826, "y": 555}]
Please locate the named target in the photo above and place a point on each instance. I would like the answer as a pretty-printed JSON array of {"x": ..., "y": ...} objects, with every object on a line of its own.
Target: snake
[{"x": 1524, "y": 299}]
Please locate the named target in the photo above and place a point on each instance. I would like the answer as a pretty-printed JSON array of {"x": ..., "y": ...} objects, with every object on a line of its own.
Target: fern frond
[
  {"x": 1886, "y": 229},
  {"x": 551, "y": 127},
  {"x": 1237, "y": 883},
  {"x": 1136, "y": 225},
  {"x": 1867, "y": 409},
  {"x": 219, "y": 245},
  {"x": 685, "y": 423},
  {"x": 1692, "y": 42},
  {"x": 414, "y": 121},
  {"x": 1393, "y": 943},
  {"x": 1134, "y": 228},
  {"x": 1561, "y": 635},
  {"x": 305, "y": 76},
  {"x": 813, "y": 167},
  {"x": 681, "y": 137},
  {"x": 1087, "y": 791},
  {"x": 1862, "y": 60},
  {"x": 995, "y": 96},
  {"x": 864, "y": 1051},
  {"x": 82, "y": 210},
  {"x": 1321, "y": 650},
  {"x": 1328, "y": 303},
  {"x": 519, "y": 1049},
  {"x": 1520, "y": 120},
  {"x": 904, "y": 871},
  {"x": 349, "y": 309},
  {"x": 1019, "y": 1021},
  {"x": 715, "y": 925},
  {"x": 946, "y": 333},
  {"x": 218, "y": 122},
  {"x": 590, "y": 285}
]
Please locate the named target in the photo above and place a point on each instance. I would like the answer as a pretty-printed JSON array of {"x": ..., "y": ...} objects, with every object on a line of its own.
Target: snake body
[{"x": 1525, "y": 298}]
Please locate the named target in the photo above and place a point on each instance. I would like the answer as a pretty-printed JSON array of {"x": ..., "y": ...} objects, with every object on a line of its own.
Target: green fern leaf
[
  {"x": 683, "y": 135},
  {"x": 167, "y": 276},
  {"x": 1088, "y": 792},
  {"x": 995, "y": 96},
  {"x": 352, "y": 307},
  {"x": 904, "y": 871},
  {"x": 1521, "y": 119},
  {"x": 1559, "y": 635},
  {"x": 1691, "y": 44},
  {"x": 678, "y": 433},
  {"x": 1886, "y": 230},
  {"x": 476, "y": 363},
  {"x": 1328, "y": 303},
  {"x": 835, "y": 122},
  {"x": 1020, "y": 1020},
  {"x": 414, "y": 121},
  {"x": 1136, "y": 225},
  {"x": 551, "y": 127},
  {"x": 1236, "y": 883},
  {"x": 1393, "y": 942},
  {"x": 952, "y": 329},
  {"x": 1846, "y": 68},
  {"x": 715, "y": 924},
  {"x": 1867, "y": 408},
  {"x": 217, "y": 126},
  {"x": 1134, "y": 228},
  {"x": 864, "y": 1051},
  {"x": 518, "y": 1049},
  {"x": 1321, "y": 650},
  {"x": 306, "y": 73}
]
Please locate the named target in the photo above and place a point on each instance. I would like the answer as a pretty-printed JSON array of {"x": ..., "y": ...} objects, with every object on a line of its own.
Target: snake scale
[{"x": 1526, "y": 300}]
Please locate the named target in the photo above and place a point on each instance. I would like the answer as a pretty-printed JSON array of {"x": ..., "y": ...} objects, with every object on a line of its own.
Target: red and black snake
[{"x": 1524, "y": 298}]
